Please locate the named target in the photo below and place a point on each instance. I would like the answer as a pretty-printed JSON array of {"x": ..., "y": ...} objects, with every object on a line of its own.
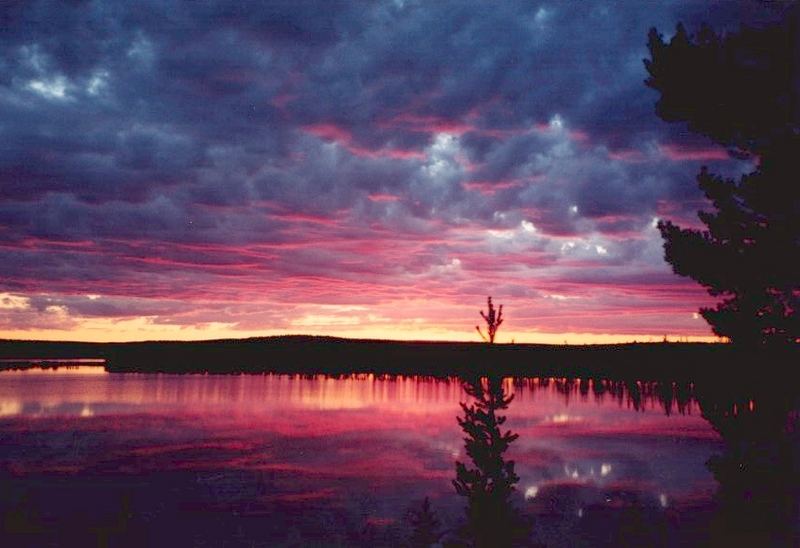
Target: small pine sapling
[{"x": 493, "y": 320}]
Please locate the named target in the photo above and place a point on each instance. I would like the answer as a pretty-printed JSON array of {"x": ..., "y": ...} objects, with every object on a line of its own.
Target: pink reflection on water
[{"x": 321, "y": 440}]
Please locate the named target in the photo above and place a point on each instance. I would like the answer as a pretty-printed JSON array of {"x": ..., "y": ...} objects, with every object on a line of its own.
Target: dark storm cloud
[
  {"x": 143, "y": 96},
  {"x": 164, "y": 138}
]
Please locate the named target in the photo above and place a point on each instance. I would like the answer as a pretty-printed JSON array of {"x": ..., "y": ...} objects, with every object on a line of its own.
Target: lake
[{"x": 95, "y": 458}]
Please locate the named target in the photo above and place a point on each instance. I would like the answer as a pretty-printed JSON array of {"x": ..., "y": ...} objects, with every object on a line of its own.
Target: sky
[{"x": 195, "y": 170}]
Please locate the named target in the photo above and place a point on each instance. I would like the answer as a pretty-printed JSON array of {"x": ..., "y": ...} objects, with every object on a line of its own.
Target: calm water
[{"x": 88, "y": 457}]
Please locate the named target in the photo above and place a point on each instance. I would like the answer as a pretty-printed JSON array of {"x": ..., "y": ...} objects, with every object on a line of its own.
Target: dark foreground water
[{"x": 90, "y": 458}]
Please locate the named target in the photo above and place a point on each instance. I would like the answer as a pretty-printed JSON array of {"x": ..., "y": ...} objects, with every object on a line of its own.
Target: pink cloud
[
  {"x": 428, "y": 124},
  {"x": 330, "y": 132},
  {"x": 343, "y": 137},
  {"x": 680, "y": 153},
  {"x": 382, "y": 197},
  {"x": 492, "y": 187},
  {"x": 629, "y": 155},
  {"x": 316, "y": 259},
  {"x": 578, "y": 135}
]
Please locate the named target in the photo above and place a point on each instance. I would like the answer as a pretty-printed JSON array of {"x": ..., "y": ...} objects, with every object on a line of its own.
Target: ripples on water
[{"x": 89, "y": 457}]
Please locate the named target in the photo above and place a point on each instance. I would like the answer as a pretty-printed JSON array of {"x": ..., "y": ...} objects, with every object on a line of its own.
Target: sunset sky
[{"x": 195, "y": 170}]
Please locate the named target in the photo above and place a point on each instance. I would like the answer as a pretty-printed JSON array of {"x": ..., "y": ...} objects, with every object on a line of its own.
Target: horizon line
[{"x": 663, "y": 340}]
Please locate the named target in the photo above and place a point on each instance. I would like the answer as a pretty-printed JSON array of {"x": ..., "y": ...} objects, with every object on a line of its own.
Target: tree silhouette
[
  {"x": 741, "y": 90},
  {"x": 426, "y": 527},
  {"x": 758, "y": 499},
  {"x": 489, "y": 483},
  {"x": 493, "y": 320}
]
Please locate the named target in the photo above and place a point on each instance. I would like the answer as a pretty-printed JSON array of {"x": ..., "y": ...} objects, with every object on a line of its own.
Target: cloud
[{"x": 227, "y": 152}]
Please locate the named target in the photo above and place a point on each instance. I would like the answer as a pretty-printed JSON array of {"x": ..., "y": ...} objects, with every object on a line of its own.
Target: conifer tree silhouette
[
  {"x": 741, "y": 90},
  {"x": 489, "y": 482}
]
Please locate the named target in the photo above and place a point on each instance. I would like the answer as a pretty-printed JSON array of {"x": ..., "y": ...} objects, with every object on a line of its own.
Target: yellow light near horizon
[{"x": 140, "y": 329}]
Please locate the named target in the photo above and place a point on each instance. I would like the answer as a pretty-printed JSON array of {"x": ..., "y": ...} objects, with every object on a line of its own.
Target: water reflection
[
  {"x": 488, "y": 481},
  {"x": 759, "y": 469},
  {"x": 62, "y": 391},
  {"x": 295, "y": 460},
  {"x": 756, "y": 503}
]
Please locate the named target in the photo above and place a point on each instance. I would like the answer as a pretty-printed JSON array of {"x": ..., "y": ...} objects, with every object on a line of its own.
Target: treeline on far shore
[{"x": 327, "y": 355}]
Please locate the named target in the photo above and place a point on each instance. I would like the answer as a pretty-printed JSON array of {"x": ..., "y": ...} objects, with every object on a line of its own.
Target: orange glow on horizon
[{"x": 136, "y": 330}]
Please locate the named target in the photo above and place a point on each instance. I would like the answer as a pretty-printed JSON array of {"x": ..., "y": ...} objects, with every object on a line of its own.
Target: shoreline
[{"x": 335, "y": 356}]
